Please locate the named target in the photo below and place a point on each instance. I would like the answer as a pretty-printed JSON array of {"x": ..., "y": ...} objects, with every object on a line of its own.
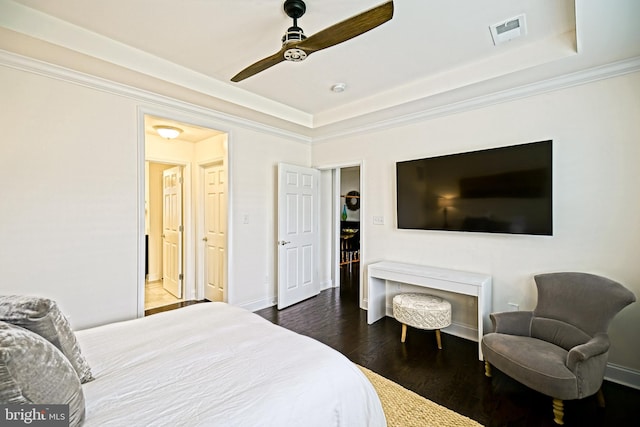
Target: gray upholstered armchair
[{"x": 559, "y": 349}]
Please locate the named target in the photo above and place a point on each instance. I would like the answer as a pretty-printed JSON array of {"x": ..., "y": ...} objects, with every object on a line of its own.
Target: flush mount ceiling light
[
  {"x": 338, "y": 87},
  {"x": 168, "y": 132}
]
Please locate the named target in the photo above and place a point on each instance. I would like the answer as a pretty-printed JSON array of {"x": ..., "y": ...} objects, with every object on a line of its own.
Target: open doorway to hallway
[
  {"x": 181, "y": 212},
  {"x": 349, "y": 258}
]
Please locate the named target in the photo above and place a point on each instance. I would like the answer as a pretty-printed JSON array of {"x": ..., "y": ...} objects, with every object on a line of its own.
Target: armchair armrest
[
  {"x": 512, "y": 322},
  {"x": 596, "y": 346}
]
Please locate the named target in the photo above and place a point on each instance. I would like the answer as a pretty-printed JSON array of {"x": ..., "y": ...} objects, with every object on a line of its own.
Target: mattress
[{"x": 213, "y": 364}]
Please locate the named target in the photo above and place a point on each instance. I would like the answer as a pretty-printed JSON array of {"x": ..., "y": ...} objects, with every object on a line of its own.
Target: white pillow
[{"x": 42, "y": 316}]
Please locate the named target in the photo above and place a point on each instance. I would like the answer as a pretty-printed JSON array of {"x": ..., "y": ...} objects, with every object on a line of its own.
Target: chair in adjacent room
[{"x": 560, "y": 348}]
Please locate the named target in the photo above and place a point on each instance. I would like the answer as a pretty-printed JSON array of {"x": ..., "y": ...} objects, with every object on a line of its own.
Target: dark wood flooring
[{"x": 452, "y": 377}]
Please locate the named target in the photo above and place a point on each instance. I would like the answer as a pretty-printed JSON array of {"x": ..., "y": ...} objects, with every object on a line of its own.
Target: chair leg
[
  {"x": 404, "y": 333},
  {"x": 439, "y": 339},
  {"x": 558, "y": 411},
  {"x": 487, "y": 369},
  {"x": 600, "y": 397}
]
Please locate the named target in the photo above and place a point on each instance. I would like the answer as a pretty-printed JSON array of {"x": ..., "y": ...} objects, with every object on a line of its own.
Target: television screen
[{"x": 500, "y": 190}]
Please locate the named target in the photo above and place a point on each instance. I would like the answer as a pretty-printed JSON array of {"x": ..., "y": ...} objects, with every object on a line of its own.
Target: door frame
[
  {"x": 335, "y": 224},
  {"x": 193, "y": 289}
]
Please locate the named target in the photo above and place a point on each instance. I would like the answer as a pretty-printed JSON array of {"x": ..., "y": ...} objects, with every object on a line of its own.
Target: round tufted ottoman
[{"x": 422, "y": 311}]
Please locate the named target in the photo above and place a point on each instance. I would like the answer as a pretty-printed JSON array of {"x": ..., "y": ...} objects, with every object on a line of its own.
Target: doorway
[
  {"x": 350, "y": 232},
  {"x": 192, "y": 150}
]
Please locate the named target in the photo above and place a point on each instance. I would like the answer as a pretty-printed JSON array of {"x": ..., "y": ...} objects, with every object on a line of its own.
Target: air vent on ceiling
[{"x": 509, "y": 29}]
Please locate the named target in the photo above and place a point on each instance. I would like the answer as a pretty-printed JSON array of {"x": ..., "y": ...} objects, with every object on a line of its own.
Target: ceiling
[{"x": 431, "y": 53}]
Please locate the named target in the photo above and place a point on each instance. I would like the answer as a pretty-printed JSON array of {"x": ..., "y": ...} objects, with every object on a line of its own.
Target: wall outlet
[
  {"x": 513, "y": 306},
  {"x": 378, "y": 220}
]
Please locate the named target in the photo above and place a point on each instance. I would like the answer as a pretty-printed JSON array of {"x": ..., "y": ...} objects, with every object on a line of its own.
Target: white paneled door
[
  {"x": 215, "y": 226},
  {"x": 172, "y": 230},
  {"x": 298, "y": 215}
]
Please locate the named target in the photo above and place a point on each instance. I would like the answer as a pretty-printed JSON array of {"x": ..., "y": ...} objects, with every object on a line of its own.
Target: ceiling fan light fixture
[
  {"x": 295, "y": 55},
  {"x": 167, "y": 132}
]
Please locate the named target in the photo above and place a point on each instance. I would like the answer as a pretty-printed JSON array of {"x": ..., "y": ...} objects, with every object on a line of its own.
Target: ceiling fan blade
[
  {"x": 259, "y": 66},
  {"x": 348, "y": 29}
]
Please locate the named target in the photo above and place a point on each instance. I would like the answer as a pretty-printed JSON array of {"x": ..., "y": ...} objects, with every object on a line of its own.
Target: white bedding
[{"x": 213, "y": 364}]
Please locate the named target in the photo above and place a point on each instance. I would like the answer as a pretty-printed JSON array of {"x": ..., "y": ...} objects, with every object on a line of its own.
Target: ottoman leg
[
  {"x": 438, "y": 339},
  {"x": 404, "y": 333}
]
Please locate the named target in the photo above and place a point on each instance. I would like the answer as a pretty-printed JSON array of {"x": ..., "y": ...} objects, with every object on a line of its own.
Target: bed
[{"x": 212, "y": 364}]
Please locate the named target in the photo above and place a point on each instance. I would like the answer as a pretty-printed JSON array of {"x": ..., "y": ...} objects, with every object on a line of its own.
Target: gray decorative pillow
[
  {"x": 33, "y": 371},
  {"x": 42, "y": 316}
]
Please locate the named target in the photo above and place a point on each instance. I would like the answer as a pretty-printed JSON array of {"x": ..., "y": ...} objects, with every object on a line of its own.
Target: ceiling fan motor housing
[
  {"x": 294, "y": 9},
  {"x": 294, "y": 34}
]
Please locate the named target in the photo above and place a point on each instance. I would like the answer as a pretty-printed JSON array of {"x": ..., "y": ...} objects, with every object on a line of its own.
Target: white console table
[{"x": 460, "y": 282}]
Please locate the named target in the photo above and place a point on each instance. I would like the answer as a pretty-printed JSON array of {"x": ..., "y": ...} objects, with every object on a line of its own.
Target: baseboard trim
[
  {"x": 459, "y": 330},
  {"x": 623, "y": 376},
  {"x": 462, "y": 331},
  {"x": 258, "y": 304},
  {"x": 154, "y": 277},
  {"x": 327, "y": 284}
]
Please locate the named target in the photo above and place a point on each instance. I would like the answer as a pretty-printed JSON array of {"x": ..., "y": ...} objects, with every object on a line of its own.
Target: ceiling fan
[{"x": 296, "y": 46}]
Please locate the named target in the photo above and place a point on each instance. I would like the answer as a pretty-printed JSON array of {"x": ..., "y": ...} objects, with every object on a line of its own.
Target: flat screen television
[{"x": 499, "y": 190}]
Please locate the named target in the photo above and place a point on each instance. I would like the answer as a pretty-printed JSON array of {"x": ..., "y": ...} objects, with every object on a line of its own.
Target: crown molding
[
  {"x": 34, "y": 23},
  {"x": 34, "y": 66},
  {"x": 395, "y": 117}
]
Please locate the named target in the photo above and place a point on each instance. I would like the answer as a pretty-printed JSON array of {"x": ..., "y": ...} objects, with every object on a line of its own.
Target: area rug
[{"x": 404, "y": 408}]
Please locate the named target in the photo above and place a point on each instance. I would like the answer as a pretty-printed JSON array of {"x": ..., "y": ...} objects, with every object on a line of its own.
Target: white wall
[
  {"x": 255, "y": 158},
  {"x": 69, "y": 223},
  {"x": 595, "y": 129}
]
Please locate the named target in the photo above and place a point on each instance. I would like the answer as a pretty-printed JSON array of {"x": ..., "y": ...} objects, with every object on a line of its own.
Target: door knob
[
  {"x": 283, "y": 242},
  {"x": 204, "y": 239}
]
